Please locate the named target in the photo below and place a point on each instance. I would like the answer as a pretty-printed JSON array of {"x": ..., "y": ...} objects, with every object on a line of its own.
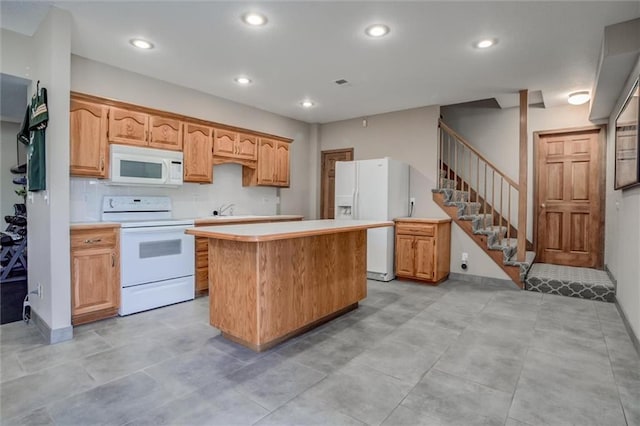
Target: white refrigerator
[{"x": 373, "y": 190}]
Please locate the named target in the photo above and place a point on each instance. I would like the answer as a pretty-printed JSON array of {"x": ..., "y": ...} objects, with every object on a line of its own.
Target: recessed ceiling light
[
  {"x": 254, "y": 19},
  {"x": 579, "y": 98},
  {"x": 307, "y": 103},
  {"x": 377, "y": 30},
  {"x": 141, "y": 44},
  {"x": 483, "y": 44},
  {"x": 243, "y": 80}
]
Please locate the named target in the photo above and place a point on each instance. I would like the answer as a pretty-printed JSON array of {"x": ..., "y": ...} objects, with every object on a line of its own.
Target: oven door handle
[{"x": 157, "y": 230}]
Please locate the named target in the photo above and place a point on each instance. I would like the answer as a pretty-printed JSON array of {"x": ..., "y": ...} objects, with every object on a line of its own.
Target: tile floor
[{"x": 457, "y": 354}]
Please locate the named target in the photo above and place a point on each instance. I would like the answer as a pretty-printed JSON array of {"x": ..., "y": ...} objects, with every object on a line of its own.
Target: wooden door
[
  {"x": 89, "y": 151},
  {"x": 425, "y": 257},
  {"x": 224, "y": 143},
  {"x": 405, "y": 256},
  {"x": 166, "y": 133},
  {"x": 247, "y": 147},
  {"x": 569, "y": 198},
  {"x": 128, "y": 127},
  {"x": 94, "y": 276},
  {"x": 266, "y": 161},
  {"x": 197, "y": 153},
  {"x": 328, "y": 182},
  {"x": 282, "y": 164}
]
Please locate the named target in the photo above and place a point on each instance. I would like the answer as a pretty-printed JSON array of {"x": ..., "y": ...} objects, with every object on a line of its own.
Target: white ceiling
[{"x": 427, "y": 59}]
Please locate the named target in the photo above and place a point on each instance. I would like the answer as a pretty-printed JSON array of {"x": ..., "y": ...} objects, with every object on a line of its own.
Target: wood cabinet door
[
  {"x": 89, "y": 151},
  {"x": 197, "y": 153},
  {"x": 224, "y": 143},
  {"x": 94, "y": 280},
  {"x": 128, "y": 127},
  {"x": 247, "y": 147},
  {"x": 266, "y": 161},
  {"x": 282, "y": 164},
  {"x": 165, "y": 133},
  {"x": 405, "y": 263},
  {"x": 425, "y": 257}
]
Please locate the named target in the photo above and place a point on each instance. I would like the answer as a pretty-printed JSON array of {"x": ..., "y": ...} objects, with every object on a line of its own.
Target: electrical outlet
[{"x": 465, "y": 257}]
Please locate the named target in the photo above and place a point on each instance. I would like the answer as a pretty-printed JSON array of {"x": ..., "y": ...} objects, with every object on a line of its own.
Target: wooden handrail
[{"x": 482, "y": 157}]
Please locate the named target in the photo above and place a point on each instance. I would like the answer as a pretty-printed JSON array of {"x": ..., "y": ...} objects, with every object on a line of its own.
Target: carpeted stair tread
[{"x": 584, "y": 283}]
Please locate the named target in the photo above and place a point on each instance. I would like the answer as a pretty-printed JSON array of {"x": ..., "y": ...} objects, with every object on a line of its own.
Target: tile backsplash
[{"x": 191, "y": 200}]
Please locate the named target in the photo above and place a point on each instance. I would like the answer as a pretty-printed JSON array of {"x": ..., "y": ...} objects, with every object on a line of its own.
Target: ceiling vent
[{"x": 341, "y": 82}]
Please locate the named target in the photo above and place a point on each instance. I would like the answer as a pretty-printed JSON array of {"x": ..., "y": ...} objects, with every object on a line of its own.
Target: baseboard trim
[
  {"x": 611, "y": 277},
  {"x": 479, "y": 279},
  {"x": 627, "y": 325},
  {"x": 51, "y": 336}
]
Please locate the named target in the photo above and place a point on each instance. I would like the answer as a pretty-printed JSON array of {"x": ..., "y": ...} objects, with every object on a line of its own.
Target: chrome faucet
[{"x": 223, "y": 208}]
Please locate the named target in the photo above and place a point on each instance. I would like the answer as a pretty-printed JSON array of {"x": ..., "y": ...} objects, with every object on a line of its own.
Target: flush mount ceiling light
[
  {"x": 307, "y": 103},
  {"x": 141, "y": 44},
  {"x": 579, "y": 98},
  {"x": 377, "y": 30},
  {"x": 242, "y": 80},
  {"x": 254, "y": 19},
  {"x": 486, "y": 43}
]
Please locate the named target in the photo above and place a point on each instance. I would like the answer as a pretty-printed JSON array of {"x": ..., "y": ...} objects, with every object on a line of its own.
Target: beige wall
[
  {"x": 410, "y": 136},
  {"x": 622, "y": 227},
  {"x": 103, "y": 80},
  {"x": 48, "y": 226}
]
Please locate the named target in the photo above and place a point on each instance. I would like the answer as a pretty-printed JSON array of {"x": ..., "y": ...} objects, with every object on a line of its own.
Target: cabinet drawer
[
  {"x": 92, "y": 238},
  {"x": 415, "y": 229},
  {"x": 202, "y": 244},
  {"x": 202, "y": 260}
]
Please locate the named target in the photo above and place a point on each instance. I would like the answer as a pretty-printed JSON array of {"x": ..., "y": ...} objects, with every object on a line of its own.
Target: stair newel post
[
  {"x": 493, "y": 193},
  {"x": 522, "y": 187},
  {"x": 455, "y": 164},
  {"x": 469, "y": 177},
  {"x": 501, "y": 211},
  {"x": 484, "y": 209},
  {"x": 477, "y": 179},
  {"x": 509, "y": 215},
  {"x": 440, "y": 162}
]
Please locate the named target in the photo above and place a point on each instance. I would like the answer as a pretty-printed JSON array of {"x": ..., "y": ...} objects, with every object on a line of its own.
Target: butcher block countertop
[
  {"x": 77, "y": 226},
  {"x": 283, "y": 230},
  {"x": 224, "y": 220}
]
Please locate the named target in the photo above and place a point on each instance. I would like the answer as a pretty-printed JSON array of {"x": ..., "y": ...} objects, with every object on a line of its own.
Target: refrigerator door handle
[{"x": 355, "y": 207}]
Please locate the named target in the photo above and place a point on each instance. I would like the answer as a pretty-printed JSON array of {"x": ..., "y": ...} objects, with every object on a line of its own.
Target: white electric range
[{"x": 156, "y": 257}]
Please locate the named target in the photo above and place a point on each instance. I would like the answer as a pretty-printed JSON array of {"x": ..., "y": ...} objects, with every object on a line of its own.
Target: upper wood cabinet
[
  {"x": 229, "y": 144},
  {"x": 166, "y": 133},
  {"x": 282, "y": 164},
  {"x": 197, "y": 153},
  {"x": 89, "y": 150},
  {"x": 273, "y": 165},
  {"x": 128, "y": 127}
]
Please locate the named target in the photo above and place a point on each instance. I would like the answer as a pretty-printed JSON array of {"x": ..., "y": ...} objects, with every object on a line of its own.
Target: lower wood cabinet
[
  {"x": 95, "y": 273},
  {"x": 202, "y": 248},
  {"x": 423, "y": 248}
]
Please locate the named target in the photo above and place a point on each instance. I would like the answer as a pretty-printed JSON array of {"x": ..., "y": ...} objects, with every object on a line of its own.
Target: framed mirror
[{"x": 627, "y": 172}]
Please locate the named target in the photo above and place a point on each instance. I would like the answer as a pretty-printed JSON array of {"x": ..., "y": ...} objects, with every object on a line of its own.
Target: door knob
[{"x": 543, "y": 205}]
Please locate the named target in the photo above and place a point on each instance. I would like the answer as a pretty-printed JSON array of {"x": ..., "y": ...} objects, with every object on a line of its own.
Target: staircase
[{"x": 483, "y": 202}]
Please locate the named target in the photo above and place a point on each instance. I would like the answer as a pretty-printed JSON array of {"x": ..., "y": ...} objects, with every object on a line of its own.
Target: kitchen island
[{"x": 271, "y": 281}]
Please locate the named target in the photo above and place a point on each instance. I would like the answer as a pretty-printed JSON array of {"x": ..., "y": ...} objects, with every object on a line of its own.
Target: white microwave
[{"x": 132, "y": 165}]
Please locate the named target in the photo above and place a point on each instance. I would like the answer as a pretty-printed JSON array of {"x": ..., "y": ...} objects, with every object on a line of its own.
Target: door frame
[
  {"x": 322, "y": 157},
  {"x": 602, "y": 142}
]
